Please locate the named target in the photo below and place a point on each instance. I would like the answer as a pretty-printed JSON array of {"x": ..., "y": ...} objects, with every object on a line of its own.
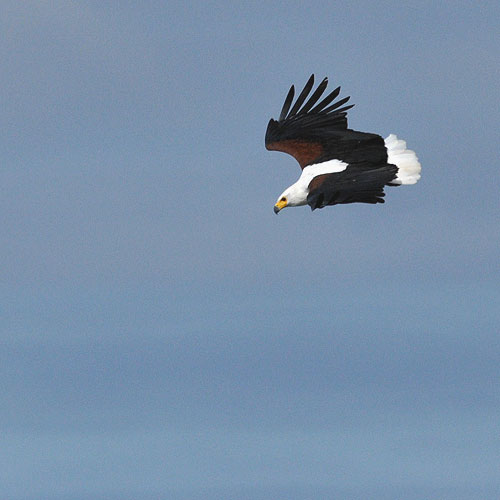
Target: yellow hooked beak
[{"x": 280, "y": 205}]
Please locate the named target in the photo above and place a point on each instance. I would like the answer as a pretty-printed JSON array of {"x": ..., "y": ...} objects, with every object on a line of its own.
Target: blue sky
[{"x": 165, "y": 335}]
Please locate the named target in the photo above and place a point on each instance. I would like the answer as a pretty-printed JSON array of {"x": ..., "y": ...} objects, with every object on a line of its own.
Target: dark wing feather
[
  {"x": 287, "y": 103},
  {"x": 327, "y": 100},
  {"x": 359, "y": 183},
  {"x": 306, "y": 133},
  {"x": 354, "y": 147},
  {"x": 338, "y": 104},
  {"x": 315, "y": 96},
  {"x": 302, "y": 97}
]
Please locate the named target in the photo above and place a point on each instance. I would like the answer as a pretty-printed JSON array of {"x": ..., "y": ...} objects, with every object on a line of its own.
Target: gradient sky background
[{"x": 164, "y": 335}]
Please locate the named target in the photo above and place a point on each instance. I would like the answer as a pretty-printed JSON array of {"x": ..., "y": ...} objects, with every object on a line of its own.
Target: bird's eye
[{"x": 283, "y": 199}]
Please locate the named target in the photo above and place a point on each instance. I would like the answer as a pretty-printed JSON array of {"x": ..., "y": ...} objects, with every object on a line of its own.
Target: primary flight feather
[{"x": 339, "y": 165}]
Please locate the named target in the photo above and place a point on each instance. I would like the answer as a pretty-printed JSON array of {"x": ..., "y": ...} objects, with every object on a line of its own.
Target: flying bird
[{"x": 339, "y": 165}]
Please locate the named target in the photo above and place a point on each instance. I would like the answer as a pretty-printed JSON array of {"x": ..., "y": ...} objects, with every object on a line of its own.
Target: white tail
[{"x": 405, "y": 159}]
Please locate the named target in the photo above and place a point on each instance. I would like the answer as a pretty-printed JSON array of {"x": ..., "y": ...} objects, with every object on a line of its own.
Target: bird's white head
[{"x": 294, "y": 196}]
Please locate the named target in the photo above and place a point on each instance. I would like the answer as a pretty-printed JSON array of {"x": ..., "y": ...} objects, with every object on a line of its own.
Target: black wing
[
  {"x": 362, "y": 182},
  {"x": 307, "y": 130}
]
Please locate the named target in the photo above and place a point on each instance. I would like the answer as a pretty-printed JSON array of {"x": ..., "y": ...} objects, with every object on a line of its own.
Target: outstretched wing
[{"x": 307, "y": 131}]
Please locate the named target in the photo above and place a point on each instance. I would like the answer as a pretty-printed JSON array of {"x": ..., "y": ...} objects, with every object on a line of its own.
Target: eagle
[{"x": 339, "y": 165}]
